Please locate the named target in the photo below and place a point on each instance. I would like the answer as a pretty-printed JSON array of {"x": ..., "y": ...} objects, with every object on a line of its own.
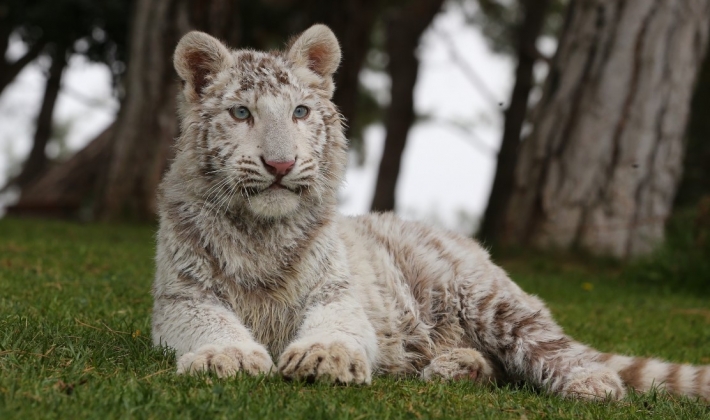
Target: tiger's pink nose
[{"x": 279, "y": 168}]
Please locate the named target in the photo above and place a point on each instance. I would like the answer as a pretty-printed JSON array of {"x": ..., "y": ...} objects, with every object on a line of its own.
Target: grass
[{"x": 75, "y": 319}]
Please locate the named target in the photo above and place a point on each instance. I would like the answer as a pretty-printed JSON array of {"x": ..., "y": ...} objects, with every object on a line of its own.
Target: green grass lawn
[{"x": 75, "y": 341}]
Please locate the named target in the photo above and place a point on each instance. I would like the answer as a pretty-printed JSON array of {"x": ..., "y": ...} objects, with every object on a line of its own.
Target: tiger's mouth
[
  {"x": 277, "y": 186},
  {"x": 274, "y": 187}
]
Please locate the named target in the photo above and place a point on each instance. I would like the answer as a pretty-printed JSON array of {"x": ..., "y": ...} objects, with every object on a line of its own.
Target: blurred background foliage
[{"x": 378, "y": 36}]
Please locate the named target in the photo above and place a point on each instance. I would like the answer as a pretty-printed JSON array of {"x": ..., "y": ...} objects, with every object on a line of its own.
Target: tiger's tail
[{"x": 643, "y": 374}]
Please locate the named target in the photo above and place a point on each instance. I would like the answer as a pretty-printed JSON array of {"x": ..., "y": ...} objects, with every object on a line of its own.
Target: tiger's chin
[{"x": 274, "y": 203}]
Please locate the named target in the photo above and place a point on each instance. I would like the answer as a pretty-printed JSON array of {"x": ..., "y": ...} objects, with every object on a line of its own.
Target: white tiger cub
[{"x": 253, "y": 260}]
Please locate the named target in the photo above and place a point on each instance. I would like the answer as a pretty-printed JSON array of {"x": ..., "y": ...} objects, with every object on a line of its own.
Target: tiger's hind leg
[
  {"x": 459, "y": 363},
  {"x": 530, "y": 346}
]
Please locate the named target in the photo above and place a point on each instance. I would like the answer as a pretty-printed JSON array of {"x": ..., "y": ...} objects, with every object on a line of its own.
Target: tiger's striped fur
[{"x": 254, "y": 264}]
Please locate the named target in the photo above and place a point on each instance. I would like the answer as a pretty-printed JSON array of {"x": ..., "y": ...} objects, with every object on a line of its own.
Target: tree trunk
[
  {"x": 37, "y": 161},
  {"x": 529, "y": 30},
  {"x": 404, "y": 27},
  {"x": 146, "y": 125},
  {"x": 601, "y": 167}
]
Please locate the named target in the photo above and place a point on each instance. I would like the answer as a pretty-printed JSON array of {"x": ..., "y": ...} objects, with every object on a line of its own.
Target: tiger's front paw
[
  {"x": 226, "y": 360},
  {"x": 334, "y": 362}
]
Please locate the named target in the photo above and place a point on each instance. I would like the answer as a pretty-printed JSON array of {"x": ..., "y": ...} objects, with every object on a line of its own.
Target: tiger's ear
[
  {"x": 198, "y": 58},
  {"x": 317, "y": 50}
]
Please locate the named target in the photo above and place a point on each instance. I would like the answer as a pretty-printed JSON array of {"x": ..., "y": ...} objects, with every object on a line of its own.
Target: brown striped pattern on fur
[{"x": 643, "y": 374}]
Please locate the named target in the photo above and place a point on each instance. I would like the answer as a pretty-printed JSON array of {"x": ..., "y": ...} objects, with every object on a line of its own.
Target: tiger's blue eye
[
  {"x": 240, "y": 113},
  {"x": 300, "y": 112}
]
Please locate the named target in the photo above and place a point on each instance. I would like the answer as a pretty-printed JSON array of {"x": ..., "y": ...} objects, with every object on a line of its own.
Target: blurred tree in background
[
  {"x": 404, "y": 27},
  {"x": 15, "y": 19},
  {"x": 120, "y": 169},
  {"x": 529, "y": 28},
  {"x": 598, "y": 170},
  {"x": 128, "y": 188},
  {"x": 54, "y": 30},
  {"x": 510, "y": 28},
  {"x": 95, "y": 29}
]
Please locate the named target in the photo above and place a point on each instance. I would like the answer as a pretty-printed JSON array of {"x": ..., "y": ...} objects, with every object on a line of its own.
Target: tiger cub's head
[{"x": 260, "y": 128}]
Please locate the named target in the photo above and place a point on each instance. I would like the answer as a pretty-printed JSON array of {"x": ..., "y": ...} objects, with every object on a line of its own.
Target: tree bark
[
  {"x": 146, "y": 125},
  {"x": 600, "y": 169},
  {"x": 404, "y": 27},
  {"x": 528, "y": 31},
  {"x": 37, "y": 161}
]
